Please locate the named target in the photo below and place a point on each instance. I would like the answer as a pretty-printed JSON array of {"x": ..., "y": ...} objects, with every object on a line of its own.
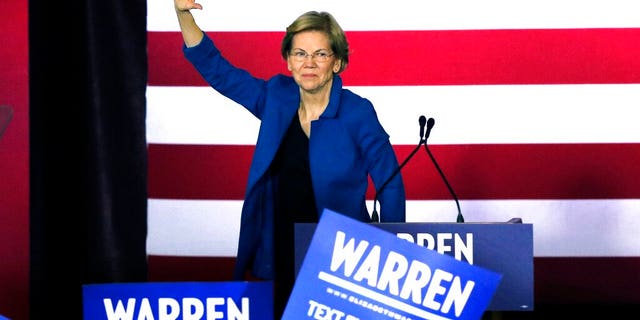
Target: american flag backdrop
[{"x": 536, "y": 107}]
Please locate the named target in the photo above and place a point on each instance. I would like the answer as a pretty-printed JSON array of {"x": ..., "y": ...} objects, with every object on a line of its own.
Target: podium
[{"x": 505, "y": 248}]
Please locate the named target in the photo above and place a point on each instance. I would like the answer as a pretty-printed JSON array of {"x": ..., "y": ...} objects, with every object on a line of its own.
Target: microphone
[
  {"x": 430, "y": 124},
  {"x": 423, "y": 121},
  {"x": 374, "y": 215}
]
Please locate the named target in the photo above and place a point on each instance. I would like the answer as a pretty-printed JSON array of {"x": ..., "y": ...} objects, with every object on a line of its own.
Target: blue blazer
[{"x": 347, "y": 145}]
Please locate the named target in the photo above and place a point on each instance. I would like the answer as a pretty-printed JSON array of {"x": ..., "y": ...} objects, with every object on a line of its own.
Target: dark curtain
[{"x": 88, "y": 161}]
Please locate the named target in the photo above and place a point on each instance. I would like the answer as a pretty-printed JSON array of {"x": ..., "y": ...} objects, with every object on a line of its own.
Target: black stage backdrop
[{"x": 88, "y": 162}]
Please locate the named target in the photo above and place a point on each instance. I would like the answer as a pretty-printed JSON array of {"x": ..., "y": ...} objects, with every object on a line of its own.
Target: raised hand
[{"x": 186, "y": 5}]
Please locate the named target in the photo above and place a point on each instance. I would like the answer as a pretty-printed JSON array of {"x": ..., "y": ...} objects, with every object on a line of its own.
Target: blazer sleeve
[
  {"x": 380, "y": 160},
  {"x": 232, "y": 82}
]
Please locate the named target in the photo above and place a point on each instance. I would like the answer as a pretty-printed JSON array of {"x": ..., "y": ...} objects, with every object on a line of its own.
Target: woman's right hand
[{"x": 186, "y": 5}]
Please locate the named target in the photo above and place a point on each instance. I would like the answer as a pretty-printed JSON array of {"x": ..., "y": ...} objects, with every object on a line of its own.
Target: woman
[{"x": 318, "y": 143}]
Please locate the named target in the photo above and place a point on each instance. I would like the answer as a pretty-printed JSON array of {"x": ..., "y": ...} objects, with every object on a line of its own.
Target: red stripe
[
  {"x": 557, "y": 280},
  {"x": 198, "y": 171},
  {"x": 450, "y": 57},
  {"x": 500, "y": 171}
]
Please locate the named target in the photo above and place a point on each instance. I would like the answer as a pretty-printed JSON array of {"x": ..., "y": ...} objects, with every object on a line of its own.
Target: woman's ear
[{"x": 336, "y": 66}]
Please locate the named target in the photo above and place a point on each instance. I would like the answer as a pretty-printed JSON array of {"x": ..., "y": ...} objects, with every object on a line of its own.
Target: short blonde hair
[{"x": 319, "y": 21}]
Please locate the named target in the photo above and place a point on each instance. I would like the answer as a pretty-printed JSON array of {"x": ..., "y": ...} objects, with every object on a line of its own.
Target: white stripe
[
  {"x": 561, "y": 228},
  {"x": 193, "y": 227},
  {"x": 463, "y": 114},
  {"x": 197, "y": 115},
  {"x": 404, "y": 14}
]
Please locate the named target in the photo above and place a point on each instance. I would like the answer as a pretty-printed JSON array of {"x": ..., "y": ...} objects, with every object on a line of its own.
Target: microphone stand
[
  {"x": 422, "y": 120},
  {"x": 459, "y": 218},
  {"x": 374, "y": 214}
]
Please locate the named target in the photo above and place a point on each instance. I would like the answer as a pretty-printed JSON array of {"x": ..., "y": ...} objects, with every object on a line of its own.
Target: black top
[{"x": 295, "y": 202}]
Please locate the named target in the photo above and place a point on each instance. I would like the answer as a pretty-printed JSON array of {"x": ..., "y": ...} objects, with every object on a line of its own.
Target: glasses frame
[{"x": 321, "y": 55}]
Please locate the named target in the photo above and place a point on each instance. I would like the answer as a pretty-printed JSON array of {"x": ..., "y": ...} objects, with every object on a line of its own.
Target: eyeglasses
[{"x": 320, "y": 55}]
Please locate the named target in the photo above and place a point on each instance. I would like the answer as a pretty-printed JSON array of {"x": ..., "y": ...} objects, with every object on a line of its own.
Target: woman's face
[{"x": 312, "y": 62}]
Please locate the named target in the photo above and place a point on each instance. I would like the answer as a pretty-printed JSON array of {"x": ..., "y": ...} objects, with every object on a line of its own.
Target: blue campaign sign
[
  {"x": 353, "y": 270},
  {"x": 178, "y": 300}
]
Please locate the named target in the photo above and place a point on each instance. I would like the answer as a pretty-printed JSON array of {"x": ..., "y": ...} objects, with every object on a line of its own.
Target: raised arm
[{"x": 191, "y": 32}]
